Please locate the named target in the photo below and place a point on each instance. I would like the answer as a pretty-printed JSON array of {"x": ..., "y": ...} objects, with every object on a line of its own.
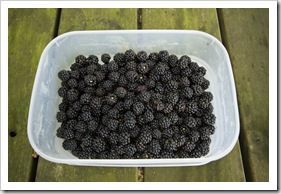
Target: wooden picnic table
[{"x": 244, "y": 33}]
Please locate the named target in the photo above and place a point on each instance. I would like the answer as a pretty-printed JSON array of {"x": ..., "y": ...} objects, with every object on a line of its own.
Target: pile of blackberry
[{"x": 135, "y": 106}]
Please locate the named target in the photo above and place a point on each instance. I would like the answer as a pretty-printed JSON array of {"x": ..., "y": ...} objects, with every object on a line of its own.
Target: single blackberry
[
  {"x": 138, "y": 108},
  {"x": 102, "y": 131},
  {"x": 159, "y": 88},
  {"x": 202, "y": 70},
  {"x": 183, "y": 63},
  {"x": 129, "y": 115},
  {"x": 128, "y": 103},
  {"x": 131, "y": 76},
  {"x": 150, "y": 64},
  {"x": 130, "y": 150},
  {"x": 154, "y": 57},
  {"x": 164, "y": 56},
  {"x": 72, "y": 95},
  {"x": 71, "y": 113},
  {"x": 164, "y": 122},
  {"x": 119, "y": 58},
  {"x": 64, "y": 75},
  {"x": 124, "y": 138},
  {"x": 63, "y": 106},
  {"x": 144, "y": 96},
  {"x": 60, "y": 132},
  {"x": 80, "y": 59},
  {"x": 204, "y": 148},
  {"x": 187, "y": 92},
  {"x": 112, "y": 66},
  {"x": 99, "y": 76},
  {"x": 90, "y": 80},
  {"x": 120, "y": 92},
  {"x": 69, "y": 144},
  {"x": 171, "y": 86},
  {"x": 156, "y": 134},
  {"x": 169, "y": 144},
  {"x": 131, "y": 66},
  {"x": 81, "y": 85},
  {"x": 142, "y": 68},
  {"x": 113, "y": 113},
  {"x": 145, "y": 137},
  {"x": 188, "y": 146},
  {"x": 205, "y": 84},
  {"x": 83, "y": 71},
  {"x": 196, "y": 153},
  {"x": 95, "y": 103},
  {"x": 68, "y": 134},
  {"x": 103, "y": 155},
  {"x": 154, "y": 76},
  {"x": 173, "y": 116},
  {"x": 141, "y": 120},
  {"x": 61, "y": 116},
  {"x": 134, "y": 132},
  {"x": 111, "y": 99},
  {"x": 108, "y": 85},
  {"x": 112, "y": 124},
  {"x": 191, "y": 107},
  {"x": 79, "y": 136},
  {"x": 168, "y": 108},
  {"x": 81, "y": 126},
  {"x": 92, "y": 125},
  {"x": 193, "y": 66},
  {"x": 190, "y": 122},
  {"x": 86, "y": 108},
  {"x": 197, "y": 79},
  {"x": 105, "y": 58},
  {"x": 130, "y": 55},
  {"x": 211, "y": 129},
  {"x": 114, "y": 76},
  {"x": 184, "y": 82},
  {"x": 90, "y": 90},
  {"x": 141, "y": 79},
  {"x": 142, "y": 56},
  {"x": 113, "y": 138},
  {"x": 167, "y": 76},
  {"x": 209, "y": 109},
  {"x": 193, "y": 136},
  {"x": 209, "y": 119},
  {"x": 160, "y": 68},
  {"x": 123, "y": 82},
  {"x": 91, "y": 69},
  {"x": 173, "y": 59},
  {"x": 148, "y": 116},
  {"x": 77, "y": 106},
  {"x": 154, "y": 147},
  {"x": 74, "y": 66},
  {"x": 172, "y": 98},
  {"x": 180, "y": 106},
  {"x": 180, "y": 140},
  {"x": 62, "y": 91},
  {"x": 98, "y": 144},
  {"x": 167, "y": 154},
  {"x": 93, "y": 59},
  {"x": 204, "y": 133},
  {"x": 87, "y": 140},
  {"x": 150, "y": 84},
  {"x": 208, "y": 96},
  {"x": 86, "y": 116},
  {"x": 85, "y": 98},
  {"x": 130, "y": 123}
]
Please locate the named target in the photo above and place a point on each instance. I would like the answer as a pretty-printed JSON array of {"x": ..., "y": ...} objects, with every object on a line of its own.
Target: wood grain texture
[
  {"x": 29, "y": 31},
  {"x": 246, "y": 36},
  {"x": 229, "y": 168},
  {"x": 90, "y": 19}
]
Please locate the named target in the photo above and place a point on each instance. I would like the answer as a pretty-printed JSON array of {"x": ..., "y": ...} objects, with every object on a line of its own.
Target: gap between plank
[
  {"x": 243, "y": 147},
  {"x": 140, "y": 174},
  {"x": 139, "y": 18}
]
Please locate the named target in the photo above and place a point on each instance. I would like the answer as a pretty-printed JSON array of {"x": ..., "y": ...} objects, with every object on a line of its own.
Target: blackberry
[
  {"x": 131, "y": 66},
  {"x": 167, "y": 76},
  {"x": 74, "y": 66},
  {"x": 142, "y": 68},
  {"x": 156, "y": 133},
  {"x": 168, "y": 108},
  {"x": 188, "y": 146},
  {"x": 130, "y": 150},
  {"x": 95, "y": 103},
  {"x": 154, "y": 57},
  {"x": 187, "y": 92},
  {"x": 62, "y": 91},
  {"x": 112, "y": 66},
  {"x": 113, "y": 113},
  {"x": 130, "y": 55},
  {"x": 105, "y": 58},
  {"x": 190, "y": 122},
  {"x": 173, "y": 59},
  {"x": 129, "y": 115},
  {"x": 63, "y": 106},
  {"x": 180, "y": 106},
  {"x": 179, "y": 140},
  {"x": 141, "y": 79},
  {"x": 86, "y": 116},
  {"x": 142, "y": 56},
  {"x": 193, "y": 136},
  {"x": 123, "y": 82},
  {"x": 211, "y": 129},
  {"x": 77, "y": 106},
  {"x": 172, "y": 86},
  {"x": 71, "y": 113},
  {"x": 154, "y": 76},
  {"x": 81, "y": 126},
  {"x": 134, "y": 132},
  {"x": 183, "y": 63},
  {"x": 144, "y": 96},
  {"x": 120, "y": 92},
  {"x": 119, "y": 58},
  {"x": 130, "y": 123},
  {"x": 191, "y": 107},
  {"x": 124, "y": 138},
  {"x": 193, "y": 66},
  {"x": 64, "y": 75},
  {"x": 209, "y": 119},
  {"x": 69, "y": 144},
  {"x": 93, "y": 59},
  {"x": 103, "y": 155},
  {"x": 128, "y": 103},
  {"x": 158, "y": 105},
  {"x": 113, "y": 138},
  {"x": 92, "y": 125},
  {"x": 209, "y": 109},
  {"x": 196, "y": 153},
  {"x": 80, "y": 59},
  {"x": 61, "y": 116},
  {"x": 103, "y": 131},
  {"x": 85, "y": 98},
  {"x": 148, "y": 116},
  {"x": 164, "y": 122},
  {"x": 78, "y": 135},
  {"x": 154, "y": 147},
  {"x": 87, "y": 140},
  {"x": 164, "y": 56},
  {"x": 184, "y": 82},
  {"x": 197, "y": 79},
  {"x": 68, "y": 134},
  {"x": 205, "y": 84},
  {"x": 85, "y": 108},
  {"x": 150, "y": 84},
  {"x": 207, "y": 96},
  {"x": 173, "y": 116},
  {"x": 72, "y": 95},
  {"x": 111, "y": 99},
  {"x": 60, "y": 132},
  {"x": 202, "y": 70},
  {"x": 107, "y": 85},
  {"x": 81, "y": 85},
  {"x": 145, "y": 137},
  {"x": 91, "y": 69},
  {"x": 72, "y": 83},
  {"x": 160, "y": 68},
  {"x": 204, "y": 148},
  {"x": 172, "y": 98},
  {"x": 167, "y": 154},
  {"x": 90, "y": 80},
  {"x": 99, "y": 75},
  {"x": 98, "y": 144},
  {"x": 159, "y": 88},
  {"x": 204, "y": 133},
  {"x": 131, "y": 76},
  {"x": 114, "y": 76},
  {"x": 138, "y": 108},
  {"x": 112, "y": 124}
]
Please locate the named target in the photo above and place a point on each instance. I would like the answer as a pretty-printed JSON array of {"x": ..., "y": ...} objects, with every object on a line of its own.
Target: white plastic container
[{"x": 203, "y": 48}]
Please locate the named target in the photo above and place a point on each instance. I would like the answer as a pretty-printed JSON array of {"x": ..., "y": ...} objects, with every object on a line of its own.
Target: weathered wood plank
[
  {"x": 90, "y": 19},
  {"x": 229, "y": 168},
  {"x": 29, "y": 32},
  {"x": 245, "y": 34}
]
